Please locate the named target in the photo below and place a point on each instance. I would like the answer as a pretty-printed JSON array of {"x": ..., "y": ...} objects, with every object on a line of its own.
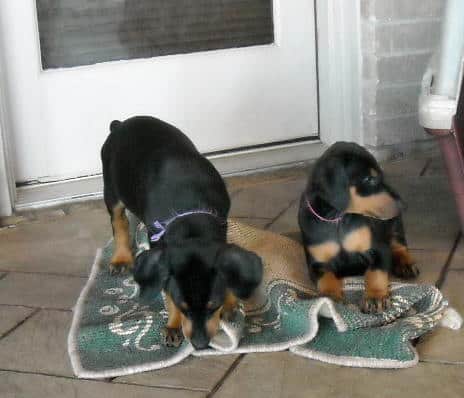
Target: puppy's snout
[{"x": 200, "y": 341}]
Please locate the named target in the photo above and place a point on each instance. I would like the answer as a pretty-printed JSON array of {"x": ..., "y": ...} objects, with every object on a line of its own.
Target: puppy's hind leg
[
  {"x": 122, "y": 258},
  {"x": 403, "y": 262}
]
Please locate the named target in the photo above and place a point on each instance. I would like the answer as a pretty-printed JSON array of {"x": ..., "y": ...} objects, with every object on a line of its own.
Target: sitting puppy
[
  {"x": 155, "y": 171},
  {"x": 351, "y": 225}
]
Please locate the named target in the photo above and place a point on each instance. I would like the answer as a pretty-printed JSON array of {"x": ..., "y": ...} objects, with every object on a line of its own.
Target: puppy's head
[
  {"x": 197, "y": 277},
  {"x": 350, "y": 180}
]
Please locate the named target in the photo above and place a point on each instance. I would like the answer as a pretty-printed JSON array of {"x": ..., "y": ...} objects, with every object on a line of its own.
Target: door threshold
[{"x": 42, "y": 195}]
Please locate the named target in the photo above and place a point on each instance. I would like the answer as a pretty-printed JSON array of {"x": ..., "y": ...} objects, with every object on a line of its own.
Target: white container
[{"x": 436, "y": 111}]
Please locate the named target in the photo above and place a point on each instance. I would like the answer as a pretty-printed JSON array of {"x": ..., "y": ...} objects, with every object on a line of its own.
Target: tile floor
[{"x": 45, "y": 257}]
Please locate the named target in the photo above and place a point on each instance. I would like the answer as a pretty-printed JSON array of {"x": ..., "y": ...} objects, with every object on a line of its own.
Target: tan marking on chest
[
  {"x": 377, "y": 284},
  {"x": 359, "y": 240},
  {"x": 324, "y": 252}
]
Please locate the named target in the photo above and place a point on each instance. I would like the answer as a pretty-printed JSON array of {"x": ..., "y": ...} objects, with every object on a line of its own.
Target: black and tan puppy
[
  {"x": 350, "y": 221},
  {"x": 154, "y": 170}
]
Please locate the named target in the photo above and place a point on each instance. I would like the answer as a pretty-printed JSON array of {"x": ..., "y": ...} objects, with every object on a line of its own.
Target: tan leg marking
[
  {"x": 359, "y": 240},
  {"x": 174, "y": 315},
  {"x": 380, "y": 205},
  {"x": 212, "y": 324},
  {"x": 403, "y": 261},
  {"x": 377, "y": 284},
  {"x": 172, "y": 332},
  {"x": 187, "y": 326},
  {"x": 230, "y": 302},
  {"x": 229, "y": 306},
  {"x": 401, "y": 254},
  {"x": 330, "y": 285},
  {"x": 324, "y": 252},
  {"x": 122, "y": 253}
]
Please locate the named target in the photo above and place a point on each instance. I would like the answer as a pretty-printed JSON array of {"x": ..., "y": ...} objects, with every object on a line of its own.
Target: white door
[{"x": 222, "y": 99}]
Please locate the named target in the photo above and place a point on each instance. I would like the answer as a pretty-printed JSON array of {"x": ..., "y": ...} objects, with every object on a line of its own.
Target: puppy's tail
[{"x": 115, "y": 125}]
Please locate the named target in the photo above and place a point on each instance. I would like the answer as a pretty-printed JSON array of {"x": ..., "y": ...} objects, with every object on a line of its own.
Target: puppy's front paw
[
  {"x": 121, "y": 262},
  {"x": 118, "y": 268},
  {"x": 372, "y": 305},
  {"x": 173, "y": 337}
]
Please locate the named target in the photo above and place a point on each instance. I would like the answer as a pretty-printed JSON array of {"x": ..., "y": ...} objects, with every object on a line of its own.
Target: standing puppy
[
  {"x": 351, "y": 225},
  {"x": 155, "y": 171}
]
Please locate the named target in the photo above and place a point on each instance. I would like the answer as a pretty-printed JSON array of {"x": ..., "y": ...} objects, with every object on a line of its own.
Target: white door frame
[
  {"x": 7, "y": 181},
  {"x": 339, "y": 80}
]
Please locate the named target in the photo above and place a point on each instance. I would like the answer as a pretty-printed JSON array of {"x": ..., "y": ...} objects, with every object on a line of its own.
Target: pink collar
[{"x": 333, "y": 220}]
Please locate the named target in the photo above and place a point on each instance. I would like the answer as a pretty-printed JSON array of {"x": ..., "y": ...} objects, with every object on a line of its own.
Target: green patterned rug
[{"x": 115, "y": 332}]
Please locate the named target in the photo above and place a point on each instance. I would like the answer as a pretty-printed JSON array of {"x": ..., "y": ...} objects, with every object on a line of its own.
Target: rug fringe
[{"x": 451, "y": 319}]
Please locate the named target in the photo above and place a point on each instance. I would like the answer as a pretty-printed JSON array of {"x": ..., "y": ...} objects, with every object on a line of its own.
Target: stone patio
[{"x": 45, "y": 257}]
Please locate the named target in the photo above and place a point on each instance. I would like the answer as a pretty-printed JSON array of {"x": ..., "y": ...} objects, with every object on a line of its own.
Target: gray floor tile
[
  {"x": 436, "y": 166},
  {"x": 279, "y": 176},
  {"x": 444, "y": 345},
  {"x": 40, "y": 290},
  {"x": 266, "y": 200},
  {"x": 64, "y": 245},
  {"x": 431, "y": 220},
  {"x": 10, "y": 316},
  {"x": 288, "y": 221},
  {"x": 193, "y": 373},
  {"x": 39, "y": 345},
  {"x": 18, "y": 385},
  {"x": 457, "y": 263},
  {"x": 282, "y": 375},
  {"x": 411, "y": 166}
]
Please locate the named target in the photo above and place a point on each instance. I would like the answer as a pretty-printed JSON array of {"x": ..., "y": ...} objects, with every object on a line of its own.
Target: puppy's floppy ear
[
  {"x": 242, "y": 270},
  {"x": 330, "y": 182},
  {"x": 151, "y": 269}
]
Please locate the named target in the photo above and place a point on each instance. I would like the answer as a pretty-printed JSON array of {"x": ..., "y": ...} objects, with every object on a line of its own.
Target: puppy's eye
[{"x": 371, "y": 181}]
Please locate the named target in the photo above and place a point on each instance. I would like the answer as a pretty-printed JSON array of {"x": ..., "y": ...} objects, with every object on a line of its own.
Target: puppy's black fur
[
  {"x": 155, "y": 171},
  {"x": 348, "y": 185}
]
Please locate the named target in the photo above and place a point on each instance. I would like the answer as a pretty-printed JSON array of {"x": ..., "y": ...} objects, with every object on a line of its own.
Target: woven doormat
[{"x": 115, "y": 332}]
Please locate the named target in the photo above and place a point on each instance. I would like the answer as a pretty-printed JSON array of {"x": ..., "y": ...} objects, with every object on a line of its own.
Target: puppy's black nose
[{"x": 200, "y": 342}]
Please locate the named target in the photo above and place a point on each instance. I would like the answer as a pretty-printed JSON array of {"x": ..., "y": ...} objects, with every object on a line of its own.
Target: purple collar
[
  {"x": 333, "y": 220},
  {"x": 162, "y": 226}
]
